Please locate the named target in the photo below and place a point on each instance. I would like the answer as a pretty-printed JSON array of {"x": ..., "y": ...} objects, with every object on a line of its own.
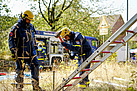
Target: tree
[
  {"x": 60, "y": 13},
  {"x": 53, "y": 12}
]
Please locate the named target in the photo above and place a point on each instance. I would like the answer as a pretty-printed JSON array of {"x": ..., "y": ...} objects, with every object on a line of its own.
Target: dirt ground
[{"x": 108, "y": 76}]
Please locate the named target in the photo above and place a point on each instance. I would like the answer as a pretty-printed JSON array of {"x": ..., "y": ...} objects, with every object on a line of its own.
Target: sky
[{"x": 17, "y": 7}]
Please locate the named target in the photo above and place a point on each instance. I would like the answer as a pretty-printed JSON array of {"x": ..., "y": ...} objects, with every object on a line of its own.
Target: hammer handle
[{"x": 62, "y": 41}]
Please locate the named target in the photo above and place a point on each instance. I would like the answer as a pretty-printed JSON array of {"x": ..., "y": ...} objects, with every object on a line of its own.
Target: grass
[{"x": 104, "y": 72}]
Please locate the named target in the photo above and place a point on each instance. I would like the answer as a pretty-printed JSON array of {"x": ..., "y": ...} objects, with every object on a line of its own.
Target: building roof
[{"x": 112, "y": 19}]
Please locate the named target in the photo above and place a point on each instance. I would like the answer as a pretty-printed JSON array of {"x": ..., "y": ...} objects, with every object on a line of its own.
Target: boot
[
  {"x": 87, "y": 83},
  {"x": 82, "y": 85},
  {"x": 19, "y": 79},
  {"x": 19, "y": 87},
  {"x": 37, "y": 89},
  {"x": 35, "y": 85}
]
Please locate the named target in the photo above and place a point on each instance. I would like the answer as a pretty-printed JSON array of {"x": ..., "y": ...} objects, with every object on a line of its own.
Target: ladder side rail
[
  {"x": 126, "y": 38},
  {"x": 129, "y": 36},
  {"x": 123, "y": 28},
  {"x": 92, "y": 68},
  {"x": 106, "y": 44},
  {"x": 82, "y": 66},
  {"x": 112, "y": 38},
  {"x": 82, "y": 76},
  {"x": 98, "y": 51}
]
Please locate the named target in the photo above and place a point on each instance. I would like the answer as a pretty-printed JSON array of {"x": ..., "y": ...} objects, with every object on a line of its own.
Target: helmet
[
  {"x": 40, "y": 44},
  {"x": 28, "y": 15},
  {"x": 64, "y": 32},
  {"x": 43, "y": 43}
]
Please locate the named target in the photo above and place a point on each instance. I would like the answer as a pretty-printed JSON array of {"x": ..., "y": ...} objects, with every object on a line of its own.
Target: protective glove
[
  {"x": 65, "y": 44},
  {"x": 13, "y": 54},
  {"x": 71, "y": 57},
  {"x": 14, "y": 57},
  {"x": 37, "y": 52}
]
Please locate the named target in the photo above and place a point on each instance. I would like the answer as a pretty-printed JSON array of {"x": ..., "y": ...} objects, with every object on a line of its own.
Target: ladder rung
[
  {"x": 85, "y": 70},
  {"x": 117, "y": 42},
  {"x": 68, "y": 85},
  {"x": 130, "y": 31},
  {"x": 76, "y": 77},
  {"x": 105, "y": 51},
  {"x": 95, "y": 61}
]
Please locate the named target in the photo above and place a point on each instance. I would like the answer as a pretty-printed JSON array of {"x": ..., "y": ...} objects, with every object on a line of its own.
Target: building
[{"x": 115, "y": 22}]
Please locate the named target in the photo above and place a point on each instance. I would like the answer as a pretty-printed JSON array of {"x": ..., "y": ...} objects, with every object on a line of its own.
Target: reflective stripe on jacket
[{"x": 22, "y": 39}]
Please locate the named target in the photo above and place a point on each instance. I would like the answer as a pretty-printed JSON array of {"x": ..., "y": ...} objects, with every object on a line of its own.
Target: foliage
[
  {"x": 53, "y": 12},
  {"x": 57, "y": 14},
  {"x": 133, "y": 44},
  {"x": 76, "y": 17},
  {"x": 113, "y": 57},
  {"x": 4, "y": 8},
  {"x": 40, "y": 24},
  {"x": 60, "y": 13},
  {"x": 79, "y": 22},
  {"x": 133, "y": 83},
  {"x": 5, "y": 23}
]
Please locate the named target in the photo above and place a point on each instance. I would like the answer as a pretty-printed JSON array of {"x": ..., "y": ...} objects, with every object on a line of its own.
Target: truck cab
[{"x": 53, "y": 48}]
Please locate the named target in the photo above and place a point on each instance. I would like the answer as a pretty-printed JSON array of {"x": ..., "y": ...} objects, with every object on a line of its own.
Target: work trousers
[
  {"x": 80, "y": 61},
  {"x": 34, "y": 67}
]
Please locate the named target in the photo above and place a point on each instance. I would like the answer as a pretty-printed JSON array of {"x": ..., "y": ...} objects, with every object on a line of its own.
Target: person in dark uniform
[
  {"x": 41, "y": 55},
  {"x": 23, "y": 47},
  {"x": 80, "y": 46}
]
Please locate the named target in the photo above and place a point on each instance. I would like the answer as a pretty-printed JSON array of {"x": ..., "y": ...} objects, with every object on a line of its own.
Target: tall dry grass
[{"x": 104, "y": 72}]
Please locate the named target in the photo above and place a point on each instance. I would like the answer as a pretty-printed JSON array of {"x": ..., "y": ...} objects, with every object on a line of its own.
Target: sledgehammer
[{"x": 57, "y": 35}]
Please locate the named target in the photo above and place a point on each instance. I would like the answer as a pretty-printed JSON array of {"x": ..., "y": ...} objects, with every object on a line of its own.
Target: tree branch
[
  {"x": 44, "y": 4},
  {"x": 49, "y": 16},
  {"x": 42, "y": 14},
  {"x": 57, "y": 18}
]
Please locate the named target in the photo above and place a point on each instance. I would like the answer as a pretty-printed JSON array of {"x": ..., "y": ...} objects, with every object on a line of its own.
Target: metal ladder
[{"x": 123, "y": 29}]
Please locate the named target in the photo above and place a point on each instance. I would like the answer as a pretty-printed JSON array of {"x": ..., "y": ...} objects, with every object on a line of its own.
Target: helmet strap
[{"x": 25, "y": 24}]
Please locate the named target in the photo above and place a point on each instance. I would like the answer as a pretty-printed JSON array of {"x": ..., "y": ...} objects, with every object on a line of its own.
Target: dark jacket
[
  {"x": 77, "y": 42},
  {"x": 22, "y": 39}
]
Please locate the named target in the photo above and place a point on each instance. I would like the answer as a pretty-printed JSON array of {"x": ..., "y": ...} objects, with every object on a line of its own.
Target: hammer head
[{"x": 57, "y": 34}]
